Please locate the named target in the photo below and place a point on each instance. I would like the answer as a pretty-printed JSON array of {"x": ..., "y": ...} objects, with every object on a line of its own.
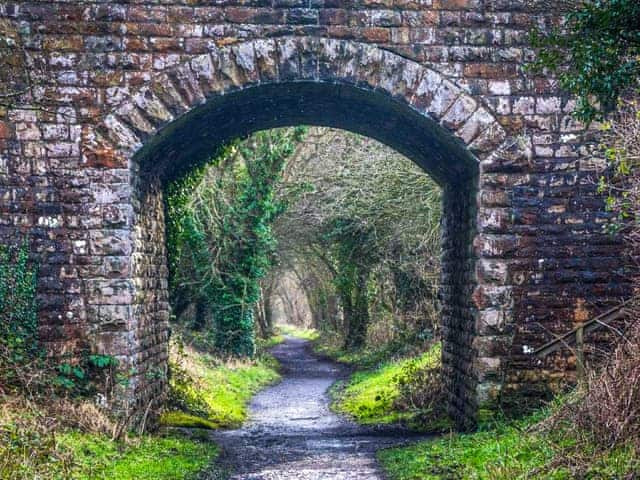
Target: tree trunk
[
  {"x": 260, "y": 316},
  {"x": 347, "y": 315},
  {"x": 200, "y": 320},
  {"x": 267, "y": 308},
  {"x": 359, "y": 322}
]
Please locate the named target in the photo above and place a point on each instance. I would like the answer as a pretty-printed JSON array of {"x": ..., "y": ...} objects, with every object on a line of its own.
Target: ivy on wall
[
  {"x": 19, "y": 343},
  {"x": 595, "y": 53}
]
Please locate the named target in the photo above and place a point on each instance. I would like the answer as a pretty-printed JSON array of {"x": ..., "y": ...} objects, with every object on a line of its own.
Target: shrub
[
  {"x": 595, "y": 53},
  {"x": 88, "y": 375},
  {"x": 610, "y": 408}
]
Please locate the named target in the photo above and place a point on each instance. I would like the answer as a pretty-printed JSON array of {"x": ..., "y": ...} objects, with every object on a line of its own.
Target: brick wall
[{"x": 127, "y": 95}]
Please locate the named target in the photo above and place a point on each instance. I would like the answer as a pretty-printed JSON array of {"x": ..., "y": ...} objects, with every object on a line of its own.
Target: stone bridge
[{"x": 120, "y": 97}]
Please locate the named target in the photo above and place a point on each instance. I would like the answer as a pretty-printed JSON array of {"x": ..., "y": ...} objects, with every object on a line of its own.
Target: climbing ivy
[
  {"x": 19, "y": 343},
  {"x": 596, "y": 54},
  {"x": 220, "y": 236}
]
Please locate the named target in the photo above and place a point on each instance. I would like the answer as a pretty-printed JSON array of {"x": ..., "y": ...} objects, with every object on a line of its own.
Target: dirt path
[{"x": 292, "y": 433}]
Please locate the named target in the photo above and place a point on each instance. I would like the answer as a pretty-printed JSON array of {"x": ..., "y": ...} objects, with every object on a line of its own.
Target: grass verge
[
  {"x": 34, "y": 445},
  {"x": 207, "y": 392},
  {"x": 152, "y": 458},
  {"x": 510, "y": 450},
  {"x": 365, "y": 358},
  {"x": 371, "y": 396}
]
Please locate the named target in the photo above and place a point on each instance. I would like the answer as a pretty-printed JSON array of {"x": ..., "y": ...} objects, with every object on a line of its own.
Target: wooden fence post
[{"x": 580, "y": 369}]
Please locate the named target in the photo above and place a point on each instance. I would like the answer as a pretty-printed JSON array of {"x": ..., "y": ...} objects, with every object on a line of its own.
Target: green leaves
[
  {"x": 596, "y": 54},
  {"x": 103, "y": 361},
  {"x": 220, "y": 236},
  {"x": 83, "y": 377},
  {"x": 19, "y": 344}
]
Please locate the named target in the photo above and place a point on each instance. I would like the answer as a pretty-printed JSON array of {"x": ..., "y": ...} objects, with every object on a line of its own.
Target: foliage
[
  {"x": 266, "y": 343},
  {"x": 420, "y": 387},
  {"x": 331, "y": 344},
  {"x": 350, "y": 242},
  {"x": 620, "y": 147},
  {"x": 91, "y": 374},
  {"x": 607, "y": 411},
  {"x": 220, "y": 234},
  {"x": 210, "y": 393},
  {"x": 185, "y": 396},
  {"x": 596, "y": 54},
  {"x": 591, "y": 433},
  {"x": 19, "y": 343},
  {"x": 382, "y": 395},
  {"x": 362, "y": 228}
]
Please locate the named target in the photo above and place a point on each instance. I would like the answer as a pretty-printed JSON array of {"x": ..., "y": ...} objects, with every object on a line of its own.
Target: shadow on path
[{"x": 292, "y": 433}]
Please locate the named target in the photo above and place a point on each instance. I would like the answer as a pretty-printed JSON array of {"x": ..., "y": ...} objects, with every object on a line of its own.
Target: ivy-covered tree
[
  {"x": 220, "y": 236},
  {"x": 595, "y": 53}
]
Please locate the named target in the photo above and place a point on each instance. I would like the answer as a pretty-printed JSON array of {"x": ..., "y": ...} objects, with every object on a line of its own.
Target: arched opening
[{"x": 193, "y": 137}]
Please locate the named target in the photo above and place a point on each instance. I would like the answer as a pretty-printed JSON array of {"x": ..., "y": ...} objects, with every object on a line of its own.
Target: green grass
[
  {"x": 293, "y": 331},
  {"x": 507, "y": 451},
  {"x": 365, "y": 358},
  {"x": 369, "y": 395},
  {"x": 272, "y": 341},
  {"x": 32, "y": 447},
  {"x": 223, "y": 389},
  {"x": 147, "y": 458}
]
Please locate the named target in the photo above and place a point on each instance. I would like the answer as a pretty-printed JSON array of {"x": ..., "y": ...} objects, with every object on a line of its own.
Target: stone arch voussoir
[{"x": 179, "y": 89}]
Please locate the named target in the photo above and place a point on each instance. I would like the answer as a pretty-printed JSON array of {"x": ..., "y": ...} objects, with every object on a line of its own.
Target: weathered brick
[{"x": 125, "y": 75}]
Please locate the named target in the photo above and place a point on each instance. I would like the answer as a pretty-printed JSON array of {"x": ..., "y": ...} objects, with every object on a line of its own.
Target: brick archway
[
  {"x": 441, "y": 81},
  {"x": 179, "y": 118}
]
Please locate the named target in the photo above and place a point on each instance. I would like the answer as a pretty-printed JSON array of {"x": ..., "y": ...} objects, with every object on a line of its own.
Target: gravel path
[{"x": 292, "y": 433}]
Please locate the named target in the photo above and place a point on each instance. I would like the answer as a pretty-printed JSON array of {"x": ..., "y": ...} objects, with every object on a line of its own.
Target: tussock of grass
[
  {"x": 216, "y": 391},
  {"x": 303, "y": 333},
  {"x": 176, "y": 418},
  {"x": 369, "y": 396}
]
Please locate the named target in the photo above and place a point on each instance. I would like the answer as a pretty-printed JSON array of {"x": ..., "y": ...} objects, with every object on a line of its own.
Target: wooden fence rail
[{"x": 577, "y": 335}]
